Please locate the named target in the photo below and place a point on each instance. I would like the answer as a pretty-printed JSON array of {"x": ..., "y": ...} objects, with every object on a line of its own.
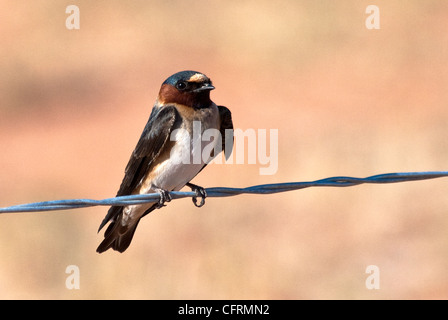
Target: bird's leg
[
  {"x": 200, "y": 192},
  {"x": 164, "y": 196}
]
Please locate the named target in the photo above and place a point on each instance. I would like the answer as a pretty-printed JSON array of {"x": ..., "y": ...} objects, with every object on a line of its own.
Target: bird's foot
[
  {"x": 200, "y": 192},
  {"x": 164, "y": 197}
]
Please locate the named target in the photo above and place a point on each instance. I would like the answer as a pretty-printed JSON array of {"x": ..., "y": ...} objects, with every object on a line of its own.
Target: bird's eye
[{"x": 181, "y": 85}]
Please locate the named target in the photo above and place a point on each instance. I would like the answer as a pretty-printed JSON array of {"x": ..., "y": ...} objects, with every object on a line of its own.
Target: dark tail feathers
[{"x": 117, "y": 237}]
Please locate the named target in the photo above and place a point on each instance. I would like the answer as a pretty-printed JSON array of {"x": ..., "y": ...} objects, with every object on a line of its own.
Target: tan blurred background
[{"x": 346, "y": 101}]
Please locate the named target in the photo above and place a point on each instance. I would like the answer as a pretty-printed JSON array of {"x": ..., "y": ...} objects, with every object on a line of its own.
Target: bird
[{"x": 161, "y": 161}]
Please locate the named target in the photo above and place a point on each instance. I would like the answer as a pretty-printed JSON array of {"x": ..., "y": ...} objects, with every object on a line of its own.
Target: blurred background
[{"x": 345, "y": 100}]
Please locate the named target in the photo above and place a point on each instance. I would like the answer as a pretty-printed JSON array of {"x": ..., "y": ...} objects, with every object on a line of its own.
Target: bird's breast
[{"x": 189, "y": 152}]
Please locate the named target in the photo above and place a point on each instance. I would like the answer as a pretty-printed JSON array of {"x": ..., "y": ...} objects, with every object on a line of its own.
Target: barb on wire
[{"x": 225, "y": 192}]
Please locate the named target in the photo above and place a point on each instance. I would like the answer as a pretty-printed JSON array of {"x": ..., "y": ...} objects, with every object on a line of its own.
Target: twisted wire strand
[{"x": 225, "y": 191}]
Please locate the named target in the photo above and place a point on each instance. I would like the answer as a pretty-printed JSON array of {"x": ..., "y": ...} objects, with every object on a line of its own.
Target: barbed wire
[{"x": 225, "y": 192}]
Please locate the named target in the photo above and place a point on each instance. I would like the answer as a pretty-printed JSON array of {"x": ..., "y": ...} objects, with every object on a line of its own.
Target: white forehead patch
[{"x": 198, "y": 77}]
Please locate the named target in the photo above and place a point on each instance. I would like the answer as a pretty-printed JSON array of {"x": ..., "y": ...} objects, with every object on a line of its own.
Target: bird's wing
[
  {"x": 152, "y": 141},
  {"x": 227, "y": 136}
]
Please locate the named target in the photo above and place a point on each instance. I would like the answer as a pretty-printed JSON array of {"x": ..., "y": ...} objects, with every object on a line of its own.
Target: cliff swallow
[{"x": 182, "y": 106}]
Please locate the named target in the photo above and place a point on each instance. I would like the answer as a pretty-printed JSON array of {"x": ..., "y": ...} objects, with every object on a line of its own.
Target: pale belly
[{"x": 187, "y": 157}]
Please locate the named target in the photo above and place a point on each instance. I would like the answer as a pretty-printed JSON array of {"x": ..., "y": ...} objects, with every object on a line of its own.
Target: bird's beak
[{"x": 205, "y": 87}]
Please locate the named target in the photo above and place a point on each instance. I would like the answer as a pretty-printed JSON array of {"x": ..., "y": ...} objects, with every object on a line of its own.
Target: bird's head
[{"x": 189, "y": 88}]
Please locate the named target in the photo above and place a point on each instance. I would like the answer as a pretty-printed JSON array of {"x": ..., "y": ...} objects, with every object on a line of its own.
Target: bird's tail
[{"x": 117, "y": 236}]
